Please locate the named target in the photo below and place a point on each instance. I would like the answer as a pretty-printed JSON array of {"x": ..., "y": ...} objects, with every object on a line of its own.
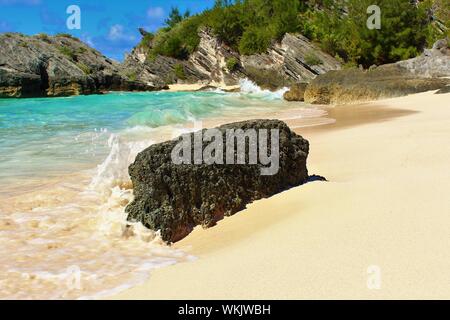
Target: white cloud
[
  {"x": 88, "y": 40},
  {"x": 116, "y": 32},
  {"x": 155, "y": 12}
]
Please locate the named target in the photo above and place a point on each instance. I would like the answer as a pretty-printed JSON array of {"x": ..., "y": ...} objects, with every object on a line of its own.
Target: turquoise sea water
[{"x": 48, "y": 136}]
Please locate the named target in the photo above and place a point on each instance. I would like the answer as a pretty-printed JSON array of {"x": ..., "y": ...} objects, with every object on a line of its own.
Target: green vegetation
[
  {"x": 339, "y": 26},
  {"x": 68, "y": 52},
  {"x": 147, "y": 39},
  {"x": 179, "y": 41},
  {"x": 179, "y": 71},
  {"x": 403, "y": 34},
  {"x": 132, "y": 76},
  {"x": 23, "y": 44},
  {"x": 312, "y": 60},
  {"x": 441, "y": 20},
  {"x": 175, "y": 17},
  {"x": 85, "y": 68},
  {"x": 43, "y": 37},
  {"x": 81, "y": 50},
  {"x": 66, "y": 35},
  {"x": 232, "y": 64}
]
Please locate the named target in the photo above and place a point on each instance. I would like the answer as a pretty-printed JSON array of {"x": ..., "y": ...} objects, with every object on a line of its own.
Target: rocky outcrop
[
  {"x": 39, "y": 66},
  {"x": 174, "y": 198},
  {"x": 207, "y": 65},
  {"x": 444, "y": 90},
  {"x": 434, "y": 62},
  {"x": 294, "y": 59},
  {"x": 211, "y": 58},
  {"x": 161, "y": 70},
  {"x": 424, "y": 73},
  {"x": 296, "y": 92}
]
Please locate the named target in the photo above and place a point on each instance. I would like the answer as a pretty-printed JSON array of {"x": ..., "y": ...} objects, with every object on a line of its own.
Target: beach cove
[{"x": 385, "y": 208}]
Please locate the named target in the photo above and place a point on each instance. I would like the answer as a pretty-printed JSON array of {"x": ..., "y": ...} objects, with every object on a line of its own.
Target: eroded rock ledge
[
  {"x": 52, "y": 66},
  {"x": 174, "y": 198},
  {"x": 429, "y": 71}
]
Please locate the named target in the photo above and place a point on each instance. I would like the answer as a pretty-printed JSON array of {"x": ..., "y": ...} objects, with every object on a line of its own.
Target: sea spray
[{"x": 249, "y": 87}]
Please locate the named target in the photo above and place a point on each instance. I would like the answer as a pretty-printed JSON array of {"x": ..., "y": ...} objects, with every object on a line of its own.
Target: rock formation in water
[
  {"x": 41, "y": 65},
  {"x": 296, "y": 92},
  {"x": 423, "y": 73},
  {"x": 174, "y": 198},
  {"x": 294, "y": 59}
]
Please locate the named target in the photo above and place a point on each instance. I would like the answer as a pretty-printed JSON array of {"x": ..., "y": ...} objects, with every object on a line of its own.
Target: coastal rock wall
[
  {"x": 174, "y": 198},
  {"x": 295, "y": 58},
  {"x": 205, "y": 65},
  {"x": 211, "y": 58},
  {"x": 41, "y": 65},
  {"x": 160, "y": 70},
  {"x": 429, "y": 71}
]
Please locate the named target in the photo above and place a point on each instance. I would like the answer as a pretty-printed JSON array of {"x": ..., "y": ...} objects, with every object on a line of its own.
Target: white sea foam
[
  {"x": 249, "y": 87},
  {"x": 90, "y": 233}
]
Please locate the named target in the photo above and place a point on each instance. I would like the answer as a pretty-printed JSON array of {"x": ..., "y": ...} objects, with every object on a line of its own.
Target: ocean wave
[{"x": 249, "y": 87}]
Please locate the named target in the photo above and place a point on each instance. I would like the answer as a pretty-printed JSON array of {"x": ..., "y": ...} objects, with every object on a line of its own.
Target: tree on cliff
[
  {"x": 175, "y": 17},
  {"x": 403, "y": 34},
  {"x": 339, "y": 26}
]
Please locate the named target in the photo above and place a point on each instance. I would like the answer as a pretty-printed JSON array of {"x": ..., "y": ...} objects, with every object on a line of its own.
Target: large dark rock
[{"x": 174, "y": 198}]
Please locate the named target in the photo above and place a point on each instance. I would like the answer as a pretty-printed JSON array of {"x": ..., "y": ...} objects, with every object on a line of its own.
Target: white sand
[
  {"x": 198, "y": 86},
  {"x": 387, "y": 204}
]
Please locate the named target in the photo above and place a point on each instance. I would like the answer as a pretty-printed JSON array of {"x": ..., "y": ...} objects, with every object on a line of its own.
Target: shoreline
[
  {"x": 388, "y": 175},
  {"x": 197, "y": 87}
]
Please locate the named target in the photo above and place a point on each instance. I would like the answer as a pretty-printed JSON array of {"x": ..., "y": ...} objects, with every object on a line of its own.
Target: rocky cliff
[
  {"x": 294, "y": 59},
  {"x": 41, "y": 65},
  {"x": 47, "y": 66}
]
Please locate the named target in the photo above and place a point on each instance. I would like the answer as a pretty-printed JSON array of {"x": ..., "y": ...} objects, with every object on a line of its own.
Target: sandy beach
[
  {"x": 198, "y": 86},
  {"x": 386, "y": 205}
]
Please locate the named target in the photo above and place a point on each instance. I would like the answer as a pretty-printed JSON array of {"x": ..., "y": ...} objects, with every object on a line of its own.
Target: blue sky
[{"x": 109, "y": 26}]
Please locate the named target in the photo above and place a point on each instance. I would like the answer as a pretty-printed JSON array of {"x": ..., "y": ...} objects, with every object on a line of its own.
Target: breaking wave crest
[{"x": 249, "y": 87}]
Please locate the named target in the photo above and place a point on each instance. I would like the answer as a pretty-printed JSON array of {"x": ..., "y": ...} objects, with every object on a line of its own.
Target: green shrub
[
  {"x": 312, "y": 60},
  {"x": 66, "y": 35},
  {"x": 179, "y": 71},
  {"x": 43, "y": 37},
  {"x": 232, "y": 64},
  {"x": 81, "y": 50},
  {"x": 177, "y": 42},
  {"x": 85, "y": 68},
  {"x": 403, "y": 34},
  {"x": 255, "y": 40},
  {"x": 68, "y": 52},
  {"x": 147, "y": 40},
  {"x": 132, "y": 76}
]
